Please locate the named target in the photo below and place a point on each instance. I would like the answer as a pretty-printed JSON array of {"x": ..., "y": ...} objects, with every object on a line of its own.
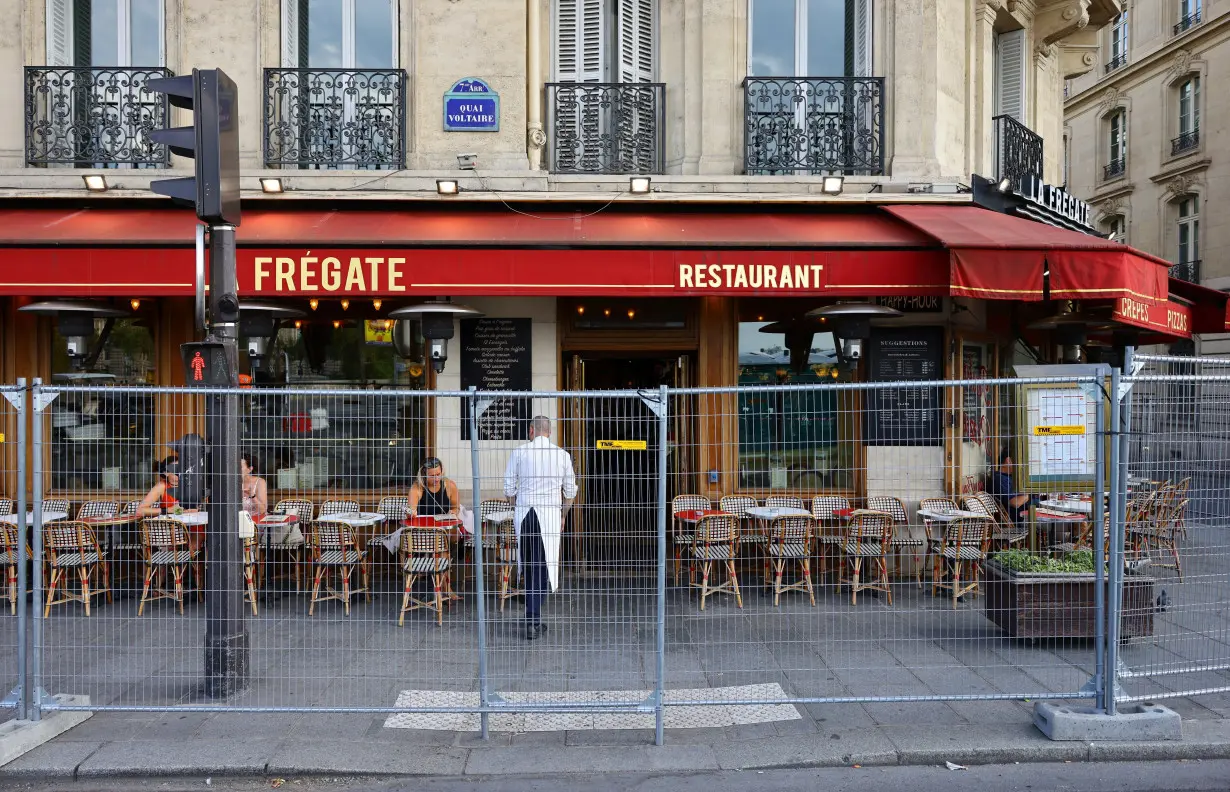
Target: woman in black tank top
[{"x": 432, "y": 494}]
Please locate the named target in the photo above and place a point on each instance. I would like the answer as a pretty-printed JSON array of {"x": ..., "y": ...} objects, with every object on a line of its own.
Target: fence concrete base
[
  {"x": 20, "y": 736},
  {"x": 1147, "y": 721}
]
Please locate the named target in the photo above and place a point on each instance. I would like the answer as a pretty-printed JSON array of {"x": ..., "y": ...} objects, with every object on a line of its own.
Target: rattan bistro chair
[
  {"x": 895, "y": 508},
  {"x": 824, "y": 509},
  {"x": 682, "y": 534},
  {"x": 962, "y": 550},
  {"x": 167, "y": 552},
  {"x": 6, "y": 507},
  {"x": 425, "y": 551},
  {"x": 869, "y": 536},
  {"x": 332, "y": 549},
  {"x": 1004, "y": 532},
  {"x": 715, "y": 542},
  {"x": 71, "y": 545},
  {"x": 790, "y": 540},
  {"x": 490, "y": 529},
  {"x": 9, "y": 554},
  {"x": 305, "y": 510}
]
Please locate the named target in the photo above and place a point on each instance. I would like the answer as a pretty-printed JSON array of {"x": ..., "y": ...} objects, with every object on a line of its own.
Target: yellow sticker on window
[
  {"x": 1058, "y": 430},
  {"x": 621, "y": 445}
]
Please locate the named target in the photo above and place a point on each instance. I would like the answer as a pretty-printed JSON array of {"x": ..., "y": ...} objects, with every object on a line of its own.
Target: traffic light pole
[{"x": 226, "y": 638}]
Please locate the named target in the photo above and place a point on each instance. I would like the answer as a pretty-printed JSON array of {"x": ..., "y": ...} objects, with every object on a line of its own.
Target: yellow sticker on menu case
[
  {"x": 1058, "y": 430},
  {"x": 621, "y": 445}
]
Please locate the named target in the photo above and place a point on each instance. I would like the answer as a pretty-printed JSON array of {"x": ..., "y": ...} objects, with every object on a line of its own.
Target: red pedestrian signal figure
[{"x": 198, "y": 368}]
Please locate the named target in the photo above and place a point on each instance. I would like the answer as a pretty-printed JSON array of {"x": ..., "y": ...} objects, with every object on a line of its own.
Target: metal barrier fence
[
  {"x": 714, "y": 567},
  {"x": 13, "y": 551},
  {"x": 1178, "y": 434}
]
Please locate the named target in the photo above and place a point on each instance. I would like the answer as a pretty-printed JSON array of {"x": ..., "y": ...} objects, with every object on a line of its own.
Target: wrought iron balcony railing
[
  {"x": 1114, "y": 169},
  {"x": 335, "y": 119},
  {"x": 1018, "y": 150},
  {"x": 94, "y": 117},
  {"x": 1116, "y": 62},
  {"x": 1185, "y": 142},
  {"x": 606, "y": 128},
  {"x": 1186, "y": 271},
  {"x": 813, "y": 125},
  {"x": 1189, "y": 21}
]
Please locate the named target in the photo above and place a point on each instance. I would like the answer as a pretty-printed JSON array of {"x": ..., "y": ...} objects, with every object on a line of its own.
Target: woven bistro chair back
[
  {"x": 56, "y": 505},
  {"x": 784, "y": 502},
  {"x": 97, "y": 509},
  {"x": 6, "y": 506},
  {"x": 939, "y": 504},
  {"x": 736, "y": 504},
  {"x": 162, "y": 534},
  {"x": 305, "y": 510},
  {"x": 889, "y": 505},
  {"x": 338, "y": 507},
  {"x": 823, "y": 506},
  {"x": 393, "y": 508}
]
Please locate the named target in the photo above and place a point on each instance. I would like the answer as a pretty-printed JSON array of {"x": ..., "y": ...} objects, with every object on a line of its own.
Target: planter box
[{"x": 1044, "y": 605}]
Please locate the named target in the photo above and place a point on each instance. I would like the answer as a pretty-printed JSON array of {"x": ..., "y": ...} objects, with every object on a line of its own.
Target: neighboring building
[
  {"x": 1148, "y": 140},
  {"x": 741, "y": 113}
]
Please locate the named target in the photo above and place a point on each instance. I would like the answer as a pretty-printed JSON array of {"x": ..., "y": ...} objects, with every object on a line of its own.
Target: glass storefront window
[
  {"x": 798, "y": 441},
  {"x": 102, "y": 441},
  {"x": 356, "y": 441}
]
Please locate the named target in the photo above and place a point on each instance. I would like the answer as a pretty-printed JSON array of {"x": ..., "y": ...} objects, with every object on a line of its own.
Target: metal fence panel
[
  {"x": 1178, "y": 439},
  {"x": 13, "y": 550}
]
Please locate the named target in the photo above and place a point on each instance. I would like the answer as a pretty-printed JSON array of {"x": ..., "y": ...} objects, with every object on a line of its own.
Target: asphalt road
[{"x": 1181, "y": 776}]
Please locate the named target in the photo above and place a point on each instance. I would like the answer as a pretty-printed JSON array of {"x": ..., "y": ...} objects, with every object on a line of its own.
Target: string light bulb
[
  {"x": 581, "y": 309},
  {"x": 298, "y": 324},
  {"x": 606, "y": 312},
  {"x": 314, "y": 303},
  {"x": 337, "y": 324},
  {"x": 631, "y": 314},
  {"x": 345, "y": 305},
  {"x": 377, "y": 303},
  {"x": 135, "y": 303}
]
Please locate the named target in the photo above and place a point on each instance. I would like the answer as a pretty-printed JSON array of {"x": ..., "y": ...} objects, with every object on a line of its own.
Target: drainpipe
[{"x": 535, "y": 140}]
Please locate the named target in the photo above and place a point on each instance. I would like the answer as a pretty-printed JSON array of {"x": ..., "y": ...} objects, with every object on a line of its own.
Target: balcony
[
  {"x": 335, "y": 119},
  {"x": 1114, "y": 169},
  {"x": 813, "y": 125},
  {"x": 1116, "y": 62},
  {"x": 1186, "y": 271},
  {"x": 1185, "y": 142},
  {"x": 1018, "y": 150},
  {"x": 606, "y": 128},
  {"x": 94, "y": 117},
  {"x": 1187, "y": 22}
]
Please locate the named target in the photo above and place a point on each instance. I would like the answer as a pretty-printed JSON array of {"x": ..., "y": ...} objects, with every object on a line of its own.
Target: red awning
[
  {"x": 998, "y": 256},
  {"x": 1210, "y": 307}
]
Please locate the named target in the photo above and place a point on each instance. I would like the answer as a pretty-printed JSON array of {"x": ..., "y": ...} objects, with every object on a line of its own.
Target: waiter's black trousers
[{"x": 533, "y": 567}]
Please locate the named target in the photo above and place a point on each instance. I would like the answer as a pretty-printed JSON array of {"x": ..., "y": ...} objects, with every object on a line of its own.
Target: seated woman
[
  {"x": 255, "y": 490},
  {"x": 432, "y": 494},
  {"x": 161, "y": 500}
]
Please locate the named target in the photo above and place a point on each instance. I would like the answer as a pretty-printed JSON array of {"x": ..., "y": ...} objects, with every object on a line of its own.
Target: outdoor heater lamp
[
  {"x": 436, "y": 318},
  {"x": 258, "y": 323},
  {"x": 75, "y": 321},
  {"x": 851, "y": 324}
]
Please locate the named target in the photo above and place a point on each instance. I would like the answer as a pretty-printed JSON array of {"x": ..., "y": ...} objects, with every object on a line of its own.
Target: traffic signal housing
[{"x": 212, "y": 141}]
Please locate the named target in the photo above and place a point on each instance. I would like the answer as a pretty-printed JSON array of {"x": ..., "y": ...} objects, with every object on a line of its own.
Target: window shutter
[
  {"x": 1010, "y": 74},
  {"x": 862, "y": 43},
  {"x": 59, "y": 33},
  {"x": 294, "y": 34},
  {"x": 580, "y": 32},
  {"x": 636, "y": 41}
]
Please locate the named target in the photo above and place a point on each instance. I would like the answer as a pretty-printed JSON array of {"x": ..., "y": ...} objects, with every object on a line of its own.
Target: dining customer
[
  {"x": 541, "y": 484},
  {"x": 161, "y": 500},
  {"x": 433, "y": 494},
  {"x": 255, "y": 490}
]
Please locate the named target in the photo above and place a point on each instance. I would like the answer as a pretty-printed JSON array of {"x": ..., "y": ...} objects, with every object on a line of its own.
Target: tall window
[
  {"x": 792, "y": 440},
  {"x": 1189, "y": 14},
  {"x": 1009, "y": 62},
  {"x": 121, "y": 33},
  {"x": 605, "y": 41},
  {"x": 1189, "y": 106},
  {"x": 1119, "y": 41},
  {"x": 101, "y": 440},
  {"x": 1116, "y": 228},
  {"x": 339, "y": 34},
  {"x": 1116, "y": 145},
  {"x": 809, "y": 38},
  {"x": 1189, "y": 230}
]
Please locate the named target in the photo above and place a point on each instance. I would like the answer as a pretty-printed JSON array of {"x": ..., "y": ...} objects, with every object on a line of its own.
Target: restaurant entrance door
[{"x": 615, "y": 441}]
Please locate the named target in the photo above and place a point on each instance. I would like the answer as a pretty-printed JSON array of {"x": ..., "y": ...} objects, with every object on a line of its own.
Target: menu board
[
  {"x": 495, "y": 356},
  {"x": 904, "y": 416}
]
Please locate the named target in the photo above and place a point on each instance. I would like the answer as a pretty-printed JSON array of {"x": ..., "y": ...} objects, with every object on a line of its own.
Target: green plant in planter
[{"x": 1022, "y": 561}]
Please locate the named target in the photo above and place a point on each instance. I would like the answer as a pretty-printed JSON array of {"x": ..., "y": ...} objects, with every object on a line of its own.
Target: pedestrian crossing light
[
  {"x": 206, "y": 365},
  {"x": 212, "y": 141}
]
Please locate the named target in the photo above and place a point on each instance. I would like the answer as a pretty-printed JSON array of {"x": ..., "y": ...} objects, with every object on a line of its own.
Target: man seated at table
[{"x": 1000, "y": 486}]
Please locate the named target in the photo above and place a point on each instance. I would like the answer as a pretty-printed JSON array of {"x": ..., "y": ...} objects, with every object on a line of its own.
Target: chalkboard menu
[
  {"x": 495, "y": 355},
  {"x": 904, "y": 416}
]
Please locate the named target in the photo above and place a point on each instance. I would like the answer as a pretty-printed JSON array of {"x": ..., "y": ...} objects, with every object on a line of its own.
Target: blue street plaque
[{"x": 471, "y": 106}]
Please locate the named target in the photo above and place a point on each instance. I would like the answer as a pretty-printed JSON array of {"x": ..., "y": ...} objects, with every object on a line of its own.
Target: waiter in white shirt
[{"x": 541, "y": 484}]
